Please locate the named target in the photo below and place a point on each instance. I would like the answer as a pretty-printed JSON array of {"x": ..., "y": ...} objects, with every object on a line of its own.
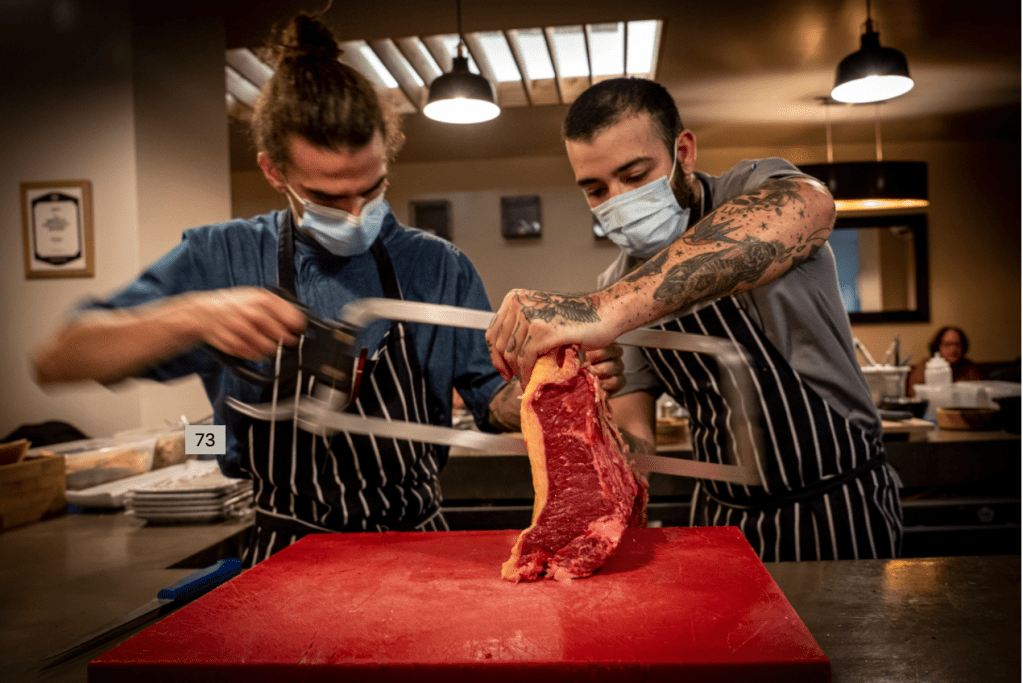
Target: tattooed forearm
[
  {"x": 732, "y": 269},
  {"x": 739, "y": 212},
  {"x": 713, "y": 228},
  {"x": 651, "y": 267},
  {"x": 505, "y": 408},
  {"x": 770, "y": 197},
  {"x": 547, "y": 307},
  {"x": 749, "y": 240}
]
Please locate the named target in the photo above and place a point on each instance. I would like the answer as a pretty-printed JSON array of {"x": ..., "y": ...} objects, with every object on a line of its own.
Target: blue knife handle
[{"x": 202, "y": 581}]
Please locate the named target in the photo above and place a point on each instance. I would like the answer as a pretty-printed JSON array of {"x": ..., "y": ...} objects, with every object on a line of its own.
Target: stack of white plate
[{"x": 199, "y": 493}]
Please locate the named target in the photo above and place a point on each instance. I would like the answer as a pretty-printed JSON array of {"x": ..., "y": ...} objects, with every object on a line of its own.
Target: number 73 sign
[{"x": 205, "y": 439}]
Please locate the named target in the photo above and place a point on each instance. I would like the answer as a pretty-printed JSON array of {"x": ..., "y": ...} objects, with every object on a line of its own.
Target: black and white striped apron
[
  {"x": 828, "y": 492},
  {"x": 305, "y": 483}
]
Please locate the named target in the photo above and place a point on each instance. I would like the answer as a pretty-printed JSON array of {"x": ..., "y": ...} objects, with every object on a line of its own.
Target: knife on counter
[{"x": 167, "y": 600}]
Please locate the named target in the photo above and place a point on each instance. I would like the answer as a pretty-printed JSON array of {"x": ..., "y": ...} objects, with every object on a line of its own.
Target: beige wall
[
  {"x": 973, "y": 230},
  {"x": 97, "y": 100}
]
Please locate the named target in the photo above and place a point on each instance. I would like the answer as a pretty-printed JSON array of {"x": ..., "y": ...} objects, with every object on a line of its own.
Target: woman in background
[{"x": 951, "y": 343}]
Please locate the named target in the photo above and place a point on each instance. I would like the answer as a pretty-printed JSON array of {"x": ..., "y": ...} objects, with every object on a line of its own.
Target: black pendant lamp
[
  {"x": 872, "y": 73},
  {"x": 461, "y": 96},
  {"x": 872, "y": 185}
]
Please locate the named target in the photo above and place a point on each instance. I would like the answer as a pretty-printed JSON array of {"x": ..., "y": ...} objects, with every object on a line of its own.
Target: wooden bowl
[
  {"x": 966, "y": 418},
  {"x": 13, "y": 452}
]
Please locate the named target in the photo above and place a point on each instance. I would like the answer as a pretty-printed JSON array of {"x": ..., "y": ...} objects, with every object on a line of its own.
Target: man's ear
[
  {"x": 273, "y": 176},
  {"x": 686, "y": 146}
]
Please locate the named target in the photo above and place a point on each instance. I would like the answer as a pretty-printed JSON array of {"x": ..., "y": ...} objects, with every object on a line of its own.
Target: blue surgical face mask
[
  {"x": 645, "y": 220},
  {"x": 340, "y": 232}
]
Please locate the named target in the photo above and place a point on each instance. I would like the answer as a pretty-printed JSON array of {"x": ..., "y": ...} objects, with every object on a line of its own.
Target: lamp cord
[
  {"x": 458, "y": 11},
  {"x": 827, "y": 130},
  {"x": 877, "y": 131}
]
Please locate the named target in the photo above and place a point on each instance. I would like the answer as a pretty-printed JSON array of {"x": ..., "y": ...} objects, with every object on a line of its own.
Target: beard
[{"x": 684, "y": 194}]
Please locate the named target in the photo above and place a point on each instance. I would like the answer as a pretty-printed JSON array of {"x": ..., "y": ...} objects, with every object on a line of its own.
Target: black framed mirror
[{"x": 882, "y": 267}]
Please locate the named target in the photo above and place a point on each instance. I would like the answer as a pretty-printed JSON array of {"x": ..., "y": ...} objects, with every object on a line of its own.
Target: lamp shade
[
  {"x": 860, "y": 185},
  {"x": 872, "y": 73},
  {"x": 461, "y": 96}
]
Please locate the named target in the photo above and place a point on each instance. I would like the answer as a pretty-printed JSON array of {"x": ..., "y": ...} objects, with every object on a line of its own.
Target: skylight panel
[
  {"x": 570, "y": 51},
  {"x": 421, "y": 58},
  {"x": 537, "y": 59},
  {"x": 607, "y": 48},
  {"x": 394, "y": 61},
  {"x": 643, "y": 42},
  {"x": 378, "y": 67},
  {"x": 552, "y": 63},
  {"x": 241, "y": 88},
  {"x": 246, "y": 63},
  {"x": 496, "y": 49}
]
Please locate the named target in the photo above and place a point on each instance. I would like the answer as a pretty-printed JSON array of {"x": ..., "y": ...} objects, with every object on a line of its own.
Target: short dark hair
[
  {"x": 606, "y": 103},
  {"x": 314, "y": 95},
  {"x": 935, "y": 344}
]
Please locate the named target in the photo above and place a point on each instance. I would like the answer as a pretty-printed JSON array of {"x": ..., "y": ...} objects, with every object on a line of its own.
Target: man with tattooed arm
[{"x": 741, "y": 256}]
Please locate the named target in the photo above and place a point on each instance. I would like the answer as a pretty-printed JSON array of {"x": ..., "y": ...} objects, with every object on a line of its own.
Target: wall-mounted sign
[
  {"x": 432, "y": 216},
  {"x": 57, "y": 229},
  {"x": 520, "y": 217}
]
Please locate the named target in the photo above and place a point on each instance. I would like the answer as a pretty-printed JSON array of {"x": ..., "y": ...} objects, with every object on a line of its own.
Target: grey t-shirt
[{"x": 801, "y": 313}]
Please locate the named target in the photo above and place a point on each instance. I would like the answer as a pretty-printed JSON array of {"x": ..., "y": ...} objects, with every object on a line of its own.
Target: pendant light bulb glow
[
  {"x": 460, "y": 96},
  {"x": 872, "y": 73},
  {"x": 872, "y": 89},
  {"x": 461, "y": 110}
]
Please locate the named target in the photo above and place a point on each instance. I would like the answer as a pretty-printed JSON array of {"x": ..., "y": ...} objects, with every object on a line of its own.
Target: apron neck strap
[
  {"x": 286, "y": 260},
  {"x": 286, "y": 254}
]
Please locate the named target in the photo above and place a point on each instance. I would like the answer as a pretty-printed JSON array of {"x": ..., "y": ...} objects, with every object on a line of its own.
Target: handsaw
[{"x": 319, "y": 416}]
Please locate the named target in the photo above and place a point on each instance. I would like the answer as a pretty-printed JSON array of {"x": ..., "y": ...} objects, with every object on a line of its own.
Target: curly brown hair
[{"x": 316, "y": 96}]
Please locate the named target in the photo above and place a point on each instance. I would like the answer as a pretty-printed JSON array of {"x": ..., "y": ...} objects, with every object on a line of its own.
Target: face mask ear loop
[
  {"x": 674, "y": 162},
  {"x": 292, "y": 196}
]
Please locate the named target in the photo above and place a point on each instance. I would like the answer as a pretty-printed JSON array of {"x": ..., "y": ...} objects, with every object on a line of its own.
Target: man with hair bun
[{"x": 325, "y": 141}]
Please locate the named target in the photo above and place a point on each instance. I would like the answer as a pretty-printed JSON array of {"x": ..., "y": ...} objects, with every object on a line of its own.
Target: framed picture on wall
[
  {"x": 432, "y": 216},
  {"x": 56, "y": 221},
  {"x": 520, "y": 217}
]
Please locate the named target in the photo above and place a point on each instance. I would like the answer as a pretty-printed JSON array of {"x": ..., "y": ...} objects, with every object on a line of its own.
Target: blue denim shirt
[{"x": 243, "y": 252}]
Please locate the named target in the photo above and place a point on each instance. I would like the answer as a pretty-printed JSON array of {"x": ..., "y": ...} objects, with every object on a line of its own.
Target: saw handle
[{"x": 329, "y": 353}]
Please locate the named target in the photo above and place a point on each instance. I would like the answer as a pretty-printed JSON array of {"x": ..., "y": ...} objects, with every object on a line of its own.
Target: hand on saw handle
[
  {"x": 530, "y": 324},
  {"x": 247, "y": 322}
]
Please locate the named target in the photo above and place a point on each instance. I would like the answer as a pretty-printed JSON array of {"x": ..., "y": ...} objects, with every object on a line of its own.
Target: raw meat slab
[{"x": 672, "y": 604}]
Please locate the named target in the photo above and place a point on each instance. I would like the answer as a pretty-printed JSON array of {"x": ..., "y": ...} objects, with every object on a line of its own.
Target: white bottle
[
  {"x": 937, "y": 372},
  {"x": 938, "y": 380}
]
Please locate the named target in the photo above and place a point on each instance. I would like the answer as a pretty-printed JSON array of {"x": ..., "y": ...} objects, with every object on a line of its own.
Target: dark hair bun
[{"x": 303, "y": 39}]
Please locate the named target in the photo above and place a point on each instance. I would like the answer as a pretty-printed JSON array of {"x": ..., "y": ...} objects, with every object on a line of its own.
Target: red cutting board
[{"x": 672, "y": 604}]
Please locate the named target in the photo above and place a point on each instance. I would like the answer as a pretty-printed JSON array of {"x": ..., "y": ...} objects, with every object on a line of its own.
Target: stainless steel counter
[
  {"x": 945, "y": 619},
  {"x": 65, "y": 577},
  {"x": 954, "y": 619}
]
